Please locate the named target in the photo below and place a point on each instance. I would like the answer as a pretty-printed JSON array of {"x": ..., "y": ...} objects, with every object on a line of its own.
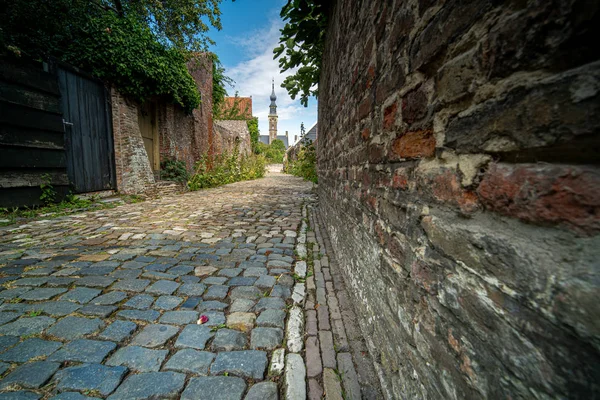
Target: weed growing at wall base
[
  {"x": 305, "y": 165},
  {"x": 226, "y": 168}
]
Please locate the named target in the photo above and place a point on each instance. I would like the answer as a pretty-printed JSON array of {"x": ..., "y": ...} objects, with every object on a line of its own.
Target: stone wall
[
  {"x": 227, "y": 132},
  {"x": 133, "y": 170},
  {"x": 459, "y": 181},
  {"x": 187, "y": 137}
]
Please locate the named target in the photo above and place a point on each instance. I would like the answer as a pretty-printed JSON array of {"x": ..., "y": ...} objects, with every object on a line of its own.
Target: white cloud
[{"x": 253, "y": 78}]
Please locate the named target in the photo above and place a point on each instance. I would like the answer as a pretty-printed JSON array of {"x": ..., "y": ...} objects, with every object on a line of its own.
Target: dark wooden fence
[{"x": 32, "y": 144}]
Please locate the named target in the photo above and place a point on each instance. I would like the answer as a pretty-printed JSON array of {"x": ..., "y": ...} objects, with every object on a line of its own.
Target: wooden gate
[{"x": 88, "y": 132}]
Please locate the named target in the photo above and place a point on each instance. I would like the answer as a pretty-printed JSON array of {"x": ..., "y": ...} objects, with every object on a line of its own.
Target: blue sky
[{"x": 245, "y": 47}]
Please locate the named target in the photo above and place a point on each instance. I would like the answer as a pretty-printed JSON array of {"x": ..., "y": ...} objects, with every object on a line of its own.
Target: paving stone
[
  {"x": 133, "y": 265},
  {"x": 80, "y": 295},
  {"x": 315, "y": 392},
  {"x": 272, "y": 318},
  {"x": 179, "y": 317},
  {"x": 190, "y": 361},
  {"x": 167, "y": 302},
  {"x": 90, "y": 377},
  {"x": 256, "y": 271},
  {"x": 180, "y": 270},
  {"x": 192, "y": 289},
  {"x": 215, "y": 280},
  {"x": 245, "y": 292},
  {"x": 349, "y": 377},
  {"x": 295, "y": 330},
  {"x": 159, "y": 385},
  {"x": 140, "y": 302},
  {"x": 30, "y": 348},
  {"x": 30, "y": 282},
  {"x": 83, "y": 350},
  {"x": 109, "y": 298},
  {"x": 118, "y": 331},
  {"x": 7, "y": 342},
  {"x": 26, "y": 326},
  {"x": 314, "y": 367},
  {"x": 263, "y": 391},
  {"x": 265, "y": 281},
  {"x": 138, "y": 359},
  {"x": 162, "y": 287},
  {"x": 331, "y": 384},
  {"x": 4, "y": 367},
  {"x": 281, "y": 291},
  {"x": 214, "y": 318},
  {"x": 30, "y": 375},
  {"x": 6, "y": 317},
  {"x": 194, "y": 336},
  {"x": 97, "y": 271},
  {"x": 247, "y": 363},
  {"x": 295, "y": 377},
  {"x": 216, "y": 292},
  {"x": 154, "y": 335},
  {"x": 241, "y": 305},
  {"x": 214, "y": 388},
  {"x": 242, "y": 281},
  {"x": 286, "y": 280},
  {"x": 267, "y": 303},
  {"x": 266, "y": 338},
  {"x": 230, "y": 272},
  {"x": 228, "y": 340},
  {"x": 19, "y": 395},
  {"x": 42, "y": 294},
  {"x": 95, "y": 281},
  {"x": 57, "y": 308},
  {"x": 13, "y": 293},
  {"x": 71, "y": 396},
  {"x": 277, "y": 362},
  {"x": 139, "y": 315},
  {"x": 97, "y": 311},
  {"x": 191, "y": 303},
  {"x": 212, "y": 305},
  {"x": 204, "y": 271},
  {"x": 241, "y": 321},
  {"x": 70, "y": 328},
  {"x": 327, "y": 349},
  {"x": 131, "y": 285},
  {"x": 59, "y": 282},
  {"x": 125, "y": 274}
]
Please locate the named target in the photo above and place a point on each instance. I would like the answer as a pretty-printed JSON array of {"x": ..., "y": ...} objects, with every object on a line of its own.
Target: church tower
[{"x": 273, "y": 116}]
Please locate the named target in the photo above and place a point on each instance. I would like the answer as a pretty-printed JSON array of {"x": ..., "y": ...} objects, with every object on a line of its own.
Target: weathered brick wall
[
  {"x": 187, "y": 137},
  {"x": 458, "y": 177},
  {"x": 133, "y": 170},
  {"x": 227, "y": 132}
]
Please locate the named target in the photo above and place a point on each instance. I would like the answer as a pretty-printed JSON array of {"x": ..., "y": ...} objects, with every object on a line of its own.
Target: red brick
[
  {"x": 400, "y": 180},
  {"x": 446, "y": 187},
  {"x": 389, "y": 116},
  {"x": 415, "y": 144},
  {"x": 365, "y": 134},
  {"x": 538, "y": 193}
]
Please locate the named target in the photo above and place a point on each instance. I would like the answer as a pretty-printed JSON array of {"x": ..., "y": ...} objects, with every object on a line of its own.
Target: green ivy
[
  {"x": 254, "y": 132},
  {"x": 140, "y": 46},
  {"x": 273, "y": 152},
  {"x": 301, "y": 46},
  {"x": 173, "y": 170}
]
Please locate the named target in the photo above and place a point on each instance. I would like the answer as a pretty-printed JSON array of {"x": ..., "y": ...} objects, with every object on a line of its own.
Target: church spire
[
  {"x": 273, "y": 106},
  {"x": 272, "y": 114}
]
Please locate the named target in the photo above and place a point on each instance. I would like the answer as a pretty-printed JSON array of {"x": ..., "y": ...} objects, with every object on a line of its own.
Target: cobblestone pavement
[{"x": 106, "y": 304}]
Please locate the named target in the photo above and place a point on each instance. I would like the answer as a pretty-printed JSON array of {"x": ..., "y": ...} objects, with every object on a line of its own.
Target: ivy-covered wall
[{"x": 459, "y": 182}]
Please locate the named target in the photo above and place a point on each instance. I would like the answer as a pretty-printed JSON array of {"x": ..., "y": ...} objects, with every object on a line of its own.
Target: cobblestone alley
[{"x": 106, "y": 304}]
